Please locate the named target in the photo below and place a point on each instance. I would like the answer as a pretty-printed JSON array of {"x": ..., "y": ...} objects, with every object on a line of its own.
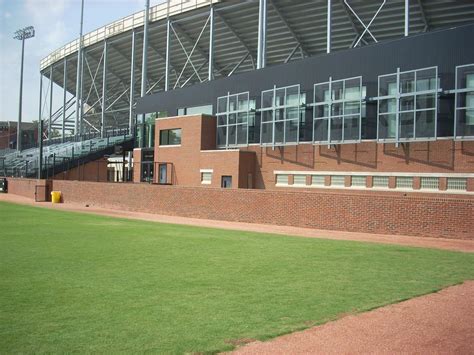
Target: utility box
[{"x": 3, "y": 185}]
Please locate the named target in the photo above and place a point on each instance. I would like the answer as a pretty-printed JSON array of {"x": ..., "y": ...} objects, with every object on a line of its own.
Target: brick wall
[
  {"x": 92, "y": 171},
  {"x": 415, "y": 214},
  {"x": 26, "y": 187},
  {"x": 442, "y": 156}
]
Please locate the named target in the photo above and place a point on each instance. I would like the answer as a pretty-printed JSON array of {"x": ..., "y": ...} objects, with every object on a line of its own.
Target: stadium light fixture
[{"x": 22, "y": 34}]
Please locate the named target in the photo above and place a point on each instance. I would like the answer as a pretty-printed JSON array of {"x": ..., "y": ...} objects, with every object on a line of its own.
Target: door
[
  {"x": 163, "y": 174},
  {"x": 226, "y": 182}
]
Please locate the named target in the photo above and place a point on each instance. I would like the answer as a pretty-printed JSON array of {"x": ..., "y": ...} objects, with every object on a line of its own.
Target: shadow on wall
[
  {"x": 467, "y": 148},
  {"x": 439, "y": 154},
  {"x": 357, "y": 154}
]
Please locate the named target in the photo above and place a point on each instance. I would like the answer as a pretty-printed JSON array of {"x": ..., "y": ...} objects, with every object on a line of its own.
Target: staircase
[{"x": 60, "y": 157}]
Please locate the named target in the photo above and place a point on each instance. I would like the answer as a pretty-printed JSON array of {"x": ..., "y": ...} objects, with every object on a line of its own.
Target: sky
[{"x": 56, "y": 23}]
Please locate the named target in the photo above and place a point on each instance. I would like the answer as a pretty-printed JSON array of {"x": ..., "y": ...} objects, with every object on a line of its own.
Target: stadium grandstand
[{"x": 273, "y": 78}]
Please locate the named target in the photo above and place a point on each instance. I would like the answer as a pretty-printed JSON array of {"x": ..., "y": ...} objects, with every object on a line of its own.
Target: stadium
[
  {"x": 266, "y": 176},
  {"x": 263, "y": 95}
]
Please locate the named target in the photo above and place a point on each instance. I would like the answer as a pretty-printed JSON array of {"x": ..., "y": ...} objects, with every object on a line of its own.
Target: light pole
[{"x": 25, "y": 33}]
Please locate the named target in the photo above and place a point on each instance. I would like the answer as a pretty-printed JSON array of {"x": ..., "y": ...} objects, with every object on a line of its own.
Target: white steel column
[
  {"x": 167, "y": 59},
  {"x": 40, "y": 127},
  {"x": 50, "y": 100},
  {"x": 104, "y": 91},
  {"x": 132, "y": 84},
  {"x": 64, "y": 99},
  {"x": 407, "y": 17},
  {"x": 145, "y": 49},
  {"x": 262, "y": 34},
  {"x": 79, "y": 74},
  {"x": 211, "y": 44},
  {"x": 328, "y": 28}
]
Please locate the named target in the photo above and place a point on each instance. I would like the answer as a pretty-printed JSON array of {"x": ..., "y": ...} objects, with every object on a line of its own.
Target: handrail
[{"x": 157, "y": 12}]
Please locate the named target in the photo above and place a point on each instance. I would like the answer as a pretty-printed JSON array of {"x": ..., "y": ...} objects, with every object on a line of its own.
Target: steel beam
[
  {"x": 168, "y": 54},
  {"x": 132, "y": 85},
  {"x": 423, "y": 16},
  {"x": 262, "y": 34},
  {"x": 40, "y": 127},
  {"x": 104, "y": 91},
  {"x": 50, "y": 100},
  {"x": 283, "y": 19},
  {"x": 328, "y": 27},
  {"x": 407, "y": 18},
  {"x": 211, "y": 44},
  {"x": 64, "y": 98},
  {"x": 236, "y": 35},
  {"x": 79, "y": 72}
]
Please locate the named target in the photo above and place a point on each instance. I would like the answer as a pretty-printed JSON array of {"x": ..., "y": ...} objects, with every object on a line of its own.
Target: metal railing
[{"x": 157, "y": 12}]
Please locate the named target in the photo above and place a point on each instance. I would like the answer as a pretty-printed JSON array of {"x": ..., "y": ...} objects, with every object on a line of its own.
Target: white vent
[
  {"x": 282, "y": 179},
  {"x": 338, "y": 180},
  {"x": 457, "y": 184},
  {"x": 380, "y": 182},
  {"x": 430, "y": 183},
  {"x": 299, "y": 180},
  {"x": 404, "y": 182},
  {"x": 206, "y": 178},
  {"x": 359, "y": 181},
  {"x": 317, "y": 180}
]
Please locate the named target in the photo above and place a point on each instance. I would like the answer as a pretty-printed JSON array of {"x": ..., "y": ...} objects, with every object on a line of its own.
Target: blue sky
[{"x": 56, "y": 23}]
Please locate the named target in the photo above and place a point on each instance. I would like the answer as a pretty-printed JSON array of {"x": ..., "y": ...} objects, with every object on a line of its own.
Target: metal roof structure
[{"x": 191, "y": 41}]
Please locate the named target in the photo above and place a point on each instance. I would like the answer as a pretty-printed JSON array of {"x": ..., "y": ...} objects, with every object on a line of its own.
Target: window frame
[
  {"x": 458, "y": 91},
  {"x": 273, "y": 109},
  {"x": 168, "y": 130},
  {"x": 329, "y": 117},
  {"x": 398, "y": 96},
  {"x": 235, "y": 112}
]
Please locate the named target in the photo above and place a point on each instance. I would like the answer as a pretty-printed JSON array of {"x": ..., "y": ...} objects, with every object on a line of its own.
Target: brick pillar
[
  {"x": 369, "y": 183},
  {"x": 443, "y": 184},
  {"x": 416, "y": 183},
  {"x": 392, "y": 182}
]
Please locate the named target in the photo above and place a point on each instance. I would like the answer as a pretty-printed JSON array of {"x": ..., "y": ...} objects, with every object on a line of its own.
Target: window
[
  {"x": 429, "y": 183},
  {"x": 359, "y": 181},
  {"x": 407, "y": 105},
  {"x": 170, "y": 137},
  {"x": 226, "y": 182},
  {"x": 282, "y": 179},
  {"x": 457, "y": 184},
  {"x": 380, "y": 182},
  {"x": 404, "y": 182},
  {"x": 464, "y": 102},
  {"x": 338, "y": 180},
  {"x": 280, "y": 116},
  {"x": 337, "y": 112},
  {"x": 318, "y": 180},
  {"x": 233, "y": 120},
  {"x": 196, "y": 110},
  {"x": 299, "y": 180},
  {"x": 206, "y": 177}
]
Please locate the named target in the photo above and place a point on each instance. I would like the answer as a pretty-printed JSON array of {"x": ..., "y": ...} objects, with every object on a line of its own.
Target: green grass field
[{"x": 77, "y": 282}]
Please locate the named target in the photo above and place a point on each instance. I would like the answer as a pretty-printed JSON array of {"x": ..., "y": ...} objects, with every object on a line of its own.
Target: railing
[
  {"x": 158, "y": 12},
  {"x": 26, "y": 163}
]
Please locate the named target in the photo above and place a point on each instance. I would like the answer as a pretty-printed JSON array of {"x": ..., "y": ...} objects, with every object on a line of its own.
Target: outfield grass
[{"x": 78, "y": 282}]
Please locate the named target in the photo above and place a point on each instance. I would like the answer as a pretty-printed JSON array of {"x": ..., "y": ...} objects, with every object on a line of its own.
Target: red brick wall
[
  {"x": 443, "y": 156},
  {"x": 26, "y": 187},
  {"x": 91, "y": 171},
  {"x": 414, "y": 214}
]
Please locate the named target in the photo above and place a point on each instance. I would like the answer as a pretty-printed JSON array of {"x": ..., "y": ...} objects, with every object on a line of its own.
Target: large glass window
[
  {"x": 280, "y": 116},
  {"x": 407, "y": 105},
  {"x": 464, "y": 113},
  {"x": 337, "y": 111},
  {"x": 170, "y": 136},
  {"x": 195, "y": 110},
  {"x": 233, "y": 120}
]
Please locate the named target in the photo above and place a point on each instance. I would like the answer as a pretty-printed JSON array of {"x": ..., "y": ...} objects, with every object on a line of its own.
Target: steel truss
[{"x": 99, "y": 97}]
